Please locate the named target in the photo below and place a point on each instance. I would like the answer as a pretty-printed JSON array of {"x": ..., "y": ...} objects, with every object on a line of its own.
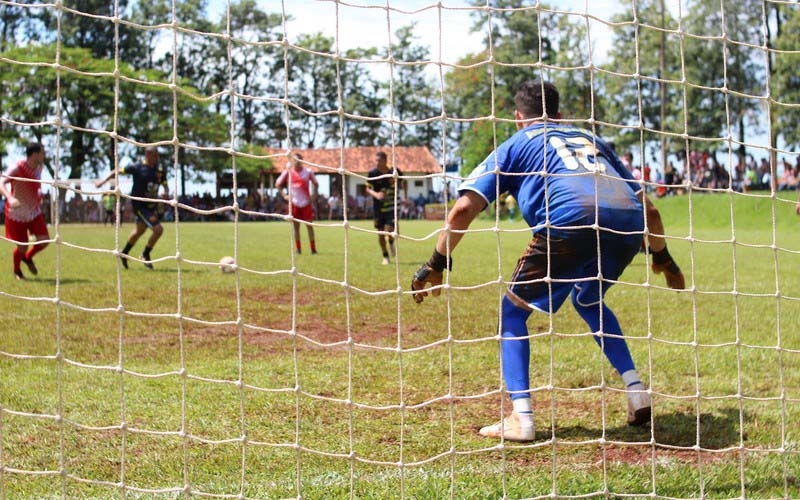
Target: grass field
[{"x": 319, "y": 377}]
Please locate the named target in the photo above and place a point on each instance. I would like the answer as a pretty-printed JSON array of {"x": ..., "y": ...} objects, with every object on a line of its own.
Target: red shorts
[
  {"x": 18, "y": 231},
  {"x": 305, "y": 213}
]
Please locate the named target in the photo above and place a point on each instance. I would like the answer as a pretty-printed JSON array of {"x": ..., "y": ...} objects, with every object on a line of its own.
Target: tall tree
[
  {"x": 482, "y": 86},
  {"x": 642, "y": 82},
  {"x": 415, "y": 102},
  {"x": 724, "y": 69},
  {"x": 88, "y": 25},
  {"x": 570, "y": 68},
  {"x": 189, "y": 54},
  {"x": 255, "y": 69},
  {"x": 785, "y": 79},
  {"x": 313, "y": 90},
  {"x": 361, "y": 99}
]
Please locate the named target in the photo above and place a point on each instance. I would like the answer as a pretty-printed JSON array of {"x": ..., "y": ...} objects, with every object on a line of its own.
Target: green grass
[{"x": 319, "y": 377}]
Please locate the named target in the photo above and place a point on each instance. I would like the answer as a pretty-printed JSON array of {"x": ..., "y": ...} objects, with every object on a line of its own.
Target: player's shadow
[
  {"x": 63, "y": 281},
  {"x": 714, "y": 431}
]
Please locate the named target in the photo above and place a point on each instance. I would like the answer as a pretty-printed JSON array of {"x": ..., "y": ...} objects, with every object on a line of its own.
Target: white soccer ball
[{"x": 227, "y": 264}]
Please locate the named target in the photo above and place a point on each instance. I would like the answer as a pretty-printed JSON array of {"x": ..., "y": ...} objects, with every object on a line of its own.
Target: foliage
[
  {"x": 362, "y": 100},
  {"x": 222, "y": 85},
  {"x": 313, "y": 77},
  {"x": 786, "y": 81},
  {"x": 413, "y": 97},
  {"x": 645, "y": 60},
  {"x": 734, "y": 63}
]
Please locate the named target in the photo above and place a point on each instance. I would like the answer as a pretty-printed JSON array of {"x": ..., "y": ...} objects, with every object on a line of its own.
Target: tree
[
  {"x": 415, "y": 102},
  {"x": 482, "y": 86},
  {"x": 723, "y": 70},
  {"x": 84, "y": 101},
  {"x": 362, "y": 101},
  {"x": 313, "y": 90},
  {"x": 255, "y": 68},
  {"x": 569, "y": 68},
  {"x": 642, "y": 80},
  {"x": 785, "y": 90}
]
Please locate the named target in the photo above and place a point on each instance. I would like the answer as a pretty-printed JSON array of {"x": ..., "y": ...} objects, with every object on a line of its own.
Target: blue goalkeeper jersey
[{"x": 561, "y": 177}]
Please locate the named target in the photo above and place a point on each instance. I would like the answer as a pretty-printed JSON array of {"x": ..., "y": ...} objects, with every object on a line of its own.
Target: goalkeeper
[{"x": 587, "y": 215}]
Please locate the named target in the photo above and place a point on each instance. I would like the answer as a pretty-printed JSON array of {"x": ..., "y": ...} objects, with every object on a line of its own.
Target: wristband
[
  {"x": 438, "y": 262},
  {"x": 661, "y": 257}
]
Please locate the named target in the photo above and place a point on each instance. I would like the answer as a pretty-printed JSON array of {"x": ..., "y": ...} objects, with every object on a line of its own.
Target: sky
[{"x": 445, "y": 30}]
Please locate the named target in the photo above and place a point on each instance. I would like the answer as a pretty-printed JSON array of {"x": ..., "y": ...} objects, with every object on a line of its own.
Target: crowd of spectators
[
  {"x": 702, "y": 170},
  {"x": 198, "y": 208}
]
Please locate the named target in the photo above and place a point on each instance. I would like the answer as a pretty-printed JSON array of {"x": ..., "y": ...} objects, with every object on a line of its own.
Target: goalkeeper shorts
[{"x": 552, "y": 267}]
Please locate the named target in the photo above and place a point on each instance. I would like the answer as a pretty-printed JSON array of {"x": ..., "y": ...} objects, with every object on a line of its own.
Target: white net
[{"x": 315, "y": 375}]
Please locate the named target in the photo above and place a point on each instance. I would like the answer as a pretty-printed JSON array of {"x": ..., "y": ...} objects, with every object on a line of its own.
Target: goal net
[{"x": 134, "y": 364}]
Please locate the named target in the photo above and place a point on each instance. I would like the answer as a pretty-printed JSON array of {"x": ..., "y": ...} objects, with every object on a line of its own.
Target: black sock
[
  {"x": 127, "y": 248},
  {"x": 146, "y": 252}
]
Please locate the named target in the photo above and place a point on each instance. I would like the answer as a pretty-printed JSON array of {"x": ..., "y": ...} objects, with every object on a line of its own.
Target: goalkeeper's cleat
[
  {"x": 640, "y": 407},
  {"x": 385, "y": 261},
  {"x": 509, "y": 429},
  {"x": 31, "y": 266},
  {"x": 146, "y": 262}
]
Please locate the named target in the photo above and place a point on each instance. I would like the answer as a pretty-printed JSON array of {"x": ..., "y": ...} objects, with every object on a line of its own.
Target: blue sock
[
  {"x": 515, "y": 349},
  {"x": 615, "y": 348}
]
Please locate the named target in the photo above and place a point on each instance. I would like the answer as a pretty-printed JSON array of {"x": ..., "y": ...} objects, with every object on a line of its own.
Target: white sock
[
  {"x": 524, "y": 410},
  {"x": 630, "y": 377}
]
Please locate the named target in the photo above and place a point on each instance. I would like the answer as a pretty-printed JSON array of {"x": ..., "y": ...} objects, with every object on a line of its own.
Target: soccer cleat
[
  {"x": 313, "y": 252},
  {"x": 385, "y": 261},
  {"x": 146, "y": 262},
  {"x": 31, "y": 266},
  {"x": 640, "y": 407},
  {"x": 19, "y": 276},
  {"x": 509, "y": 429},
  {"x": 124, "y": 261}
]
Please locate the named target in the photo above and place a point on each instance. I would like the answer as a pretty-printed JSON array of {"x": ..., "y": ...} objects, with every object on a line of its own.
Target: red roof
[{"x": 360, "y": 160}]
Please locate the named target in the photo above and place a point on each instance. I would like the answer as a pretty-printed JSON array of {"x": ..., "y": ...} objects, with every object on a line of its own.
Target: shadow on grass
[{"x": 711, "y": 431}]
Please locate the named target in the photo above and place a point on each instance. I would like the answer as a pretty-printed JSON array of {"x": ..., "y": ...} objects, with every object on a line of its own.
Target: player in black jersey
[
  {"x": 382, "y": 184},
  {"x": 147, "y": 179}
]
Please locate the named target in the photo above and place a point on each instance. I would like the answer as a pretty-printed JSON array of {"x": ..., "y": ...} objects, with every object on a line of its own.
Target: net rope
[{"x": 546, "y": 394}]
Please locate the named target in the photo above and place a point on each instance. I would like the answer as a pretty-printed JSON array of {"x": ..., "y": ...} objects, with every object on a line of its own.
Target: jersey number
[{"x": 577, "y": 152}]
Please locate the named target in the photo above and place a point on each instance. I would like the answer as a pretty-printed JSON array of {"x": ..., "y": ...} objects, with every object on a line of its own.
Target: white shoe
[
  {"x": 509, "y": 429},
  {"x": 640, "y": 407},
  {"x": 385, "y": 261}
]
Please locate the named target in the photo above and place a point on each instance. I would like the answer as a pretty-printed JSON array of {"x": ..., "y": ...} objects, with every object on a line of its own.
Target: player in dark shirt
[
  {"x": 382, "y": 185},
  {"x": 147, "y": 178}
]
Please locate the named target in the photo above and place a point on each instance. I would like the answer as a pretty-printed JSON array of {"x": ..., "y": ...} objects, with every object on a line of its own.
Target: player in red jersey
[
  {"x": 23, "y": 209},
  {"x": 297, "y": 180}
]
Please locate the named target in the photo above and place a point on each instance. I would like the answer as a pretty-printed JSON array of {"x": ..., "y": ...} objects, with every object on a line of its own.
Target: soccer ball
[{"x": 227, "y": 264}]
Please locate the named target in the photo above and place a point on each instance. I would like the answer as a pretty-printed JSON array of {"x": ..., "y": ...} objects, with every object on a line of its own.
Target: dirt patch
[{"x": 313, "y": 330}]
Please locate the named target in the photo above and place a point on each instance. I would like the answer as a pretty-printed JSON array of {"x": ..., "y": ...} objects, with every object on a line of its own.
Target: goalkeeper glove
[
  {"x": 663, "y": 263},
  {"x": 430, "y": 272}
]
